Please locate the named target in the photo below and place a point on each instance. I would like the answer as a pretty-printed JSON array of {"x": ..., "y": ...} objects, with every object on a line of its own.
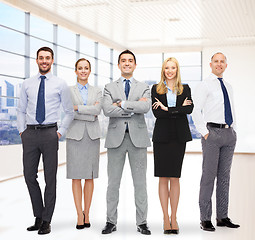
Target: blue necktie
[
  {"x": 127, "y": 87},
  {"x": 40, "y": 107},
  {"x": 227, "y": 107}
]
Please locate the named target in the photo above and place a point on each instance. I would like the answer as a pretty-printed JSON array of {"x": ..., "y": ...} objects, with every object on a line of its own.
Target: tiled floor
[{"x": 16, "y": 212}]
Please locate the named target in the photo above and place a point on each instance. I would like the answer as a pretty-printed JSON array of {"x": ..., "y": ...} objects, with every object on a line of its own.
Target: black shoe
[
  {"x": 109, "y": 228},
  {"x": 87, "y": 225},
  {"x": 36, "y": 226},
  {"x": 45, "y": 228},
  {"x": 174, "y": 231},
  {"x": 143, "y": 229},
  {"x": 79, "y": 227},
  {"x": 167, "y": 231},
  {"x": 226, "y": 222},
  {"x": 207, "y": 226}
]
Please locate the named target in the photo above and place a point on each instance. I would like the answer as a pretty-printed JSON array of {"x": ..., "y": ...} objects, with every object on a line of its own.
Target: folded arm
[{"x": 110, "y": 108}]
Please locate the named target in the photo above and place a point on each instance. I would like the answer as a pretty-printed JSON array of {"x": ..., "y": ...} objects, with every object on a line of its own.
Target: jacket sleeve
[
  {"x": 139, "y": 106},
  {"x": 172, "y": 111},
  {"x": 92, "y": 109},
  {"x": 109, "y": 109}
]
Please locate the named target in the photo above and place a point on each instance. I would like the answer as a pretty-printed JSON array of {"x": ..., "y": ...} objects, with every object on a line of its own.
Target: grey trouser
[
  {"x": 138, "y": 164},
  {"x": 218, "y": 152},
  {"x": 35, "y": 143}
]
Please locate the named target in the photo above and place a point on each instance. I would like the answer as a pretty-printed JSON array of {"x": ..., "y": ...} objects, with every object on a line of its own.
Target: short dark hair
[
  {"x": 126, "y": 52},
  {"x": 46, "y": 49},
  {"x": 82, "y": 59}
]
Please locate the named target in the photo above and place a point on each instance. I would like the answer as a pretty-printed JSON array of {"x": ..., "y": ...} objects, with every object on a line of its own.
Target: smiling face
[
  {"x": 44, "y": 61},
  {"x": 218, "y": 64},
  {"x": 83, "y": 71},
  {"x": 127, "y": 65},
  {"x": 170, "y": 71}
]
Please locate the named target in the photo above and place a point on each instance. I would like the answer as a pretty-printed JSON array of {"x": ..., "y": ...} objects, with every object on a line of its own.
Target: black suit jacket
[{"x": 174, "y": 121}]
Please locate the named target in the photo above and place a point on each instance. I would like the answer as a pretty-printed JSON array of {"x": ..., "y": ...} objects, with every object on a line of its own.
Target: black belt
[
  {"x": 217, "y": 125},
  {"x": 42, "y": 126}
]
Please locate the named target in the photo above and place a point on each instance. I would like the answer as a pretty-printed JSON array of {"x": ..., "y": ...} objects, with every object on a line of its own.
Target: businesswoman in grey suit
[
  {"x": 171, "y": 101},
  {"x": 83, "y": 141}
]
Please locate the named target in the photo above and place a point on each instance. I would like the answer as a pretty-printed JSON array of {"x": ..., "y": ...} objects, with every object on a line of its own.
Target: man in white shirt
[
  {"x": 37, "y": 117},
  {"x": 214, "y": 118}
]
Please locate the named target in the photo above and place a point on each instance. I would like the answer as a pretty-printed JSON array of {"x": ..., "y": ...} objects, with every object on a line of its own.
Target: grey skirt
[{"x": 82, "y": 157}]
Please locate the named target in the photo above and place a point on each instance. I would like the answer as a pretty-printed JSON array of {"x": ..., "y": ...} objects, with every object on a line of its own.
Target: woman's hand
[
  {"x": 187, "y": 102},
  {"x": 157, "y": 104}
]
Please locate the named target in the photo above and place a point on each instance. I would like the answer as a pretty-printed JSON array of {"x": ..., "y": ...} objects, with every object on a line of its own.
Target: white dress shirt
[
  {"x": 56, "y": 93},
  {"x": 209, "y": 103}
]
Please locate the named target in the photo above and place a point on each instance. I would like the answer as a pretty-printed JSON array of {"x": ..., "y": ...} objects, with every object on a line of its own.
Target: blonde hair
[{"x": 178, "y": 87}]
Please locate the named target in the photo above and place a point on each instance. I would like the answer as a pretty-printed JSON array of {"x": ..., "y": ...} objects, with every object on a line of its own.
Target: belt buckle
[{"x": 226, "y": 126}]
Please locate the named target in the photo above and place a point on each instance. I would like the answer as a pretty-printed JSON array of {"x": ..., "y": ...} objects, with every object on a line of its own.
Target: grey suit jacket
[
  {"x": 132, "y": 113},
  {"x": 86, "y": 115}
]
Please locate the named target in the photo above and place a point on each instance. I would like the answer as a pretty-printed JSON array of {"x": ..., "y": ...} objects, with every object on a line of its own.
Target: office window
[
  {"x": 87, "y": 46},
  {"x": 41, "y": 28},
  {"x": 12, "y": 64},
  {"x": 66, "y": 38},
  {"x": 12, "y": 17},
  {"x": 103, "y": 69},
  {"x": 104, "y": 53},
  {"x": 67, "y": 74},
  {"x": 66, "y": 57},
  {"x": 12, "y": 41}
]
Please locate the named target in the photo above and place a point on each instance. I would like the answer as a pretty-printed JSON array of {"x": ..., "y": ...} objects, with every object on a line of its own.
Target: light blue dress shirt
[
  {"x": 56, "y": 93},
  {"x": 171, "y": 97},
  {"x": 84, "y": 92}
]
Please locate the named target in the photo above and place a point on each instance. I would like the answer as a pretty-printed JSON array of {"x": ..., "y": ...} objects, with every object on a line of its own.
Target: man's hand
[
  {"x": 75, "y": 108},
  {"x": 59, "y": 135},
  {"x": 117, "y": 104},
  {"x": 144, "y": 99},
  {"x": 20, "y": 133},
  {"x": 206, "y": 136}
]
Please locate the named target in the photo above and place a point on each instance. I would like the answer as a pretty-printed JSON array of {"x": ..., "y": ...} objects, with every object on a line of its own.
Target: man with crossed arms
[{"x": 126, "y": 101}]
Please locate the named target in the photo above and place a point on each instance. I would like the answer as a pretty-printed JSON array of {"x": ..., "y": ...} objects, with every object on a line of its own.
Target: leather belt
[
  {"x": 42, "y": 126},
  {"x": 217, "y": 125}
]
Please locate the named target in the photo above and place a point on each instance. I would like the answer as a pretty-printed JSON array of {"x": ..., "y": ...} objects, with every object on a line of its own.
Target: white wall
[{"x": 240, "y": 73}]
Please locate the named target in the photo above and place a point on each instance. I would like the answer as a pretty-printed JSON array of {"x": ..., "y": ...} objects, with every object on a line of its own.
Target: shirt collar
[
  {"x": 214, "y": 77},
  {"x": 80, "y": 86},
  {"x": 130, "y": 79},
  {"x": 47, "y": 75},
  {"x": 169, "y": 89}
]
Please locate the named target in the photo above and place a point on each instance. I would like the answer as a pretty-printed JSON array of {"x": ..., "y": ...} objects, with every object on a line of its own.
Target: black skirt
[{"x": 168, "y": 158}]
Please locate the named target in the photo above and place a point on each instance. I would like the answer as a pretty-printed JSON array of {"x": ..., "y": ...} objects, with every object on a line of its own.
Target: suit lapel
[
  {"x": 132, "y": 88},
  {"x": 78, "y": 95},
  {"x": 121, "y": 89}
]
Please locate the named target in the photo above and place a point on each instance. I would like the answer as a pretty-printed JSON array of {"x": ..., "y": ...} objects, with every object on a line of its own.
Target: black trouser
[{"x": 36, "y": 142}]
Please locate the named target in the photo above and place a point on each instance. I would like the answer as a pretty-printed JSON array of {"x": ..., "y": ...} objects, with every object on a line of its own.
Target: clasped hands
[{"x": 157, "y": 104}]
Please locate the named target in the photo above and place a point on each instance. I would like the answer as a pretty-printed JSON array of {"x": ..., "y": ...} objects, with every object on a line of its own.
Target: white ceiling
[{"x": 153, "y": 25}]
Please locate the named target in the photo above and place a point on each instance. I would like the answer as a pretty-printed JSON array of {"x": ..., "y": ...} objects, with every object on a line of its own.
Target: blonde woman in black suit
[
  {"x": 171, "y": 101},
  {"x": 83, "y": 141}
]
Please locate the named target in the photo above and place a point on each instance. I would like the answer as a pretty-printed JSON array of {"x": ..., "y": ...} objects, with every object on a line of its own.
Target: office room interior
[{"x": 98, "y": 30}]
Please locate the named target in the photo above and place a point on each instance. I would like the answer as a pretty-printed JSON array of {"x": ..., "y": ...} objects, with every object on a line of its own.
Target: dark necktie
[
  {"x": 227, "y": 107},
  {"x": 40, "y": 107},
  {"x": 127, "y": 87}
]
